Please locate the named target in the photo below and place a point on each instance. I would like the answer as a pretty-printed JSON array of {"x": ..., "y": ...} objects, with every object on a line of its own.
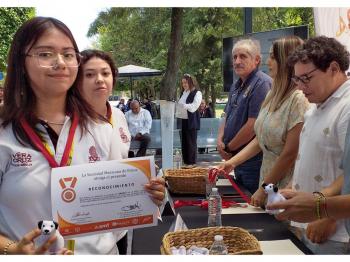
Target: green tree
[
  {"x": 142, "y": 36},
  {"x": 137, "y": 36},
  {"x": 205, "y": 28},
  {"x": 168, "y": 83},
  {"x": 11, "y": 18},
  {"x": 265, "y": 19}
]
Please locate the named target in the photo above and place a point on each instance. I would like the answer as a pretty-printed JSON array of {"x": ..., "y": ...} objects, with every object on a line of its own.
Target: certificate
[{"x": 103, "y": 196}]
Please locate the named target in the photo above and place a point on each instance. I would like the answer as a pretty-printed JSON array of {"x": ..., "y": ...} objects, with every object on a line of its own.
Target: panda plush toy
[{"x": 273, "y": 196}]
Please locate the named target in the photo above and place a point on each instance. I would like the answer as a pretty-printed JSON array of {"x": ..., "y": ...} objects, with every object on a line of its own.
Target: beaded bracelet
[
  {"x": 7, "y": 246},
  {"x": 320, "y": 205},
  {"x": 318, "y": 193},
  {"x": 318, "y": 201}
]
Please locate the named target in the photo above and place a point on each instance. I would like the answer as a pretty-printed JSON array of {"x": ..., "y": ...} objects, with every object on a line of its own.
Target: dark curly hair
[{"x": 321, "y": 51}]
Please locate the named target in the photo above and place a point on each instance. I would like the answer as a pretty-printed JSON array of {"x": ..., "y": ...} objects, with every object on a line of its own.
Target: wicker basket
[
  {"x": 237, "y": 240},
  {"x": 186, "y": 181}
]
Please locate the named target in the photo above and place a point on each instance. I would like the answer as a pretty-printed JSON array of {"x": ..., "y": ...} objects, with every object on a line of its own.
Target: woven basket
[
  {"x": 237, "y": 240},
  {"x": 186, "y": 181}
]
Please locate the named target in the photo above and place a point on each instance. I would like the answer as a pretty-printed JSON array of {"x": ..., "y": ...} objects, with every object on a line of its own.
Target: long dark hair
[{"x": 19, "y": 99}]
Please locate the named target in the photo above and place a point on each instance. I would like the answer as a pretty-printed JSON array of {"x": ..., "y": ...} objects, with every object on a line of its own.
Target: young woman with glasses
[{"x": 46, "y": 123}]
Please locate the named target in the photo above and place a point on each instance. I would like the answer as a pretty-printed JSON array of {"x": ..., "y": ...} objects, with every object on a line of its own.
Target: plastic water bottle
[
  {"x": 177, "y": 159},
  {"x": 214, "y": 208},
  {"x": 209, "y": 186},
  {"x": 218, "y": 247}
]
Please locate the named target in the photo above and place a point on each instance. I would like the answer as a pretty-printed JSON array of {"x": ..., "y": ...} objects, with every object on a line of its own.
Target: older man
[
  {"x": 242, "y": 108},
  {"x": 140, "y": 123}
]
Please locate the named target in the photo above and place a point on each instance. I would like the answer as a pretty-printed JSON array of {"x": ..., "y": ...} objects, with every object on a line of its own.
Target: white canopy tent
[{"x": 132, "y": 72}]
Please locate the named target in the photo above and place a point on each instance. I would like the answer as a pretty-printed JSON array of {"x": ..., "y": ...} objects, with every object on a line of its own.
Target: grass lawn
[{"x": 219, "y": 109}]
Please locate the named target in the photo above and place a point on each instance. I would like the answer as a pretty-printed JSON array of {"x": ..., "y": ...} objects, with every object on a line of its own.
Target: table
[{"x": 148, "y": 240}]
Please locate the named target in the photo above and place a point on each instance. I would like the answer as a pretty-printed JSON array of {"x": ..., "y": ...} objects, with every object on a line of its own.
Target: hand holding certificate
[
  {"x": 106, "y": 196},
  {"x": 156, "y": 188}
]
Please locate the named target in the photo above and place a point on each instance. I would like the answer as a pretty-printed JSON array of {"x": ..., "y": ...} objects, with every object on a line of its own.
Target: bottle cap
[{"x": 218, "y": 238}]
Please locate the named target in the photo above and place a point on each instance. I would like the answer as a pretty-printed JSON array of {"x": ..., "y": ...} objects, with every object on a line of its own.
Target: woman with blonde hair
[{"x": 279, "y": 123}]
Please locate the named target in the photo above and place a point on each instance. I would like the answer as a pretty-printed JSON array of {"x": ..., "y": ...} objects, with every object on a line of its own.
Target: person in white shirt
[
  {"x": 320, "y": 67},
  {"x": 97, "y": 78},
  {"x": 96, "y": 81},
  {"x": 46, "y": 123},
  {"x": 187, "y": 111},
  {"x": 140, "y": 123}
]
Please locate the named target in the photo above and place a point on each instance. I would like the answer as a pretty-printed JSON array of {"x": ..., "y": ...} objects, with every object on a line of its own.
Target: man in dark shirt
[{"x": 244, "y": 101}]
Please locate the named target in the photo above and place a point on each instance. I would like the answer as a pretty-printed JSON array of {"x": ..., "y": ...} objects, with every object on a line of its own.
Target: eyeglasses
[
  {"x": 49, "y": 59},
  {"x": 305, "y": 78}
]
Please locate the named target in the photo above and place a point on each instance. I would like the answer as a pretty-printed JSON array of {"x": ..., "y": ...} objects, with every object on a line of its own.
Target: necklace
[{"x": 52, "y": 123}]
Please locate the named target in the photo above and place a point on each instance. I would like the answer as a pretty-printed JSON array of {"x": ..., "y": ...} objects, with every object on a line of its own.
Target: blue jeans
[{"x": 248, "y": 173}]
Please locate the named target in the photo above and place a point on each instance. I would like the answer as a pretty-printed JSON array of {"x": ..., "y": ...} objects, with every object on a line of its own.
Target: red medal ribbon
[
  {"x": 40, "y": 146},
  {"x": 214, "y": 172},
  {"x": 109, "y": 113},
  {"x": 72, "y": 180},
  {"x": 204, "y": 203}
]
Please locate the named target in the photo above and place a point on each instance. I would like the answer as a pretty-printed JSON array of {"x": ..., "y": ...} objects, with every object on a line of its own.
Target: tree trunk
[
  {"x": 168, "y": 83},
  {"x": 213, "y": 99}
]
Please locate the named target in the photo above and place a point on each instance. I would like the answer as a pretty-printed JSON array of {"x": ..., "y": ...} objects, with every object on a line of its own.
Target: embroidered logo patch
[
  {"x": 318, "y": 178},
  {"x": 123, "y": 136},
  {"x": 93, "y": 156},
  {"x": 22, "y": 159}
]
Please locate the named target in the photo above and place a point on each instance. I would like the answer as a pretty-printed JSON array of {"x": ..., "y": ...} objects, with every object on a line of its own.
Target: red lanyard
[
  {"x": 40, "y": 145},
  {"x": 109, "y": 113},
  {"x": 214, "y": 172}
]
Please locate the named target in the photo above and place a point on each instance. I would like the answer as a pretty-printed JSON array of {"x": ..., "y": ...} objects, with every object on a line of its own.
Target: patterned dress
[{"x": 271, "y": 129}]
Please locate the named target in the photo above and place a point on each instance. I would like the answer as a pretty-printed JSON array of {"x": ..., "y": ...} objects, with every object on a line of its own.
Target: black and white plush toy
[
  {"x": 49, "y": 228},
  {"x": 273, "y": 196}
]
